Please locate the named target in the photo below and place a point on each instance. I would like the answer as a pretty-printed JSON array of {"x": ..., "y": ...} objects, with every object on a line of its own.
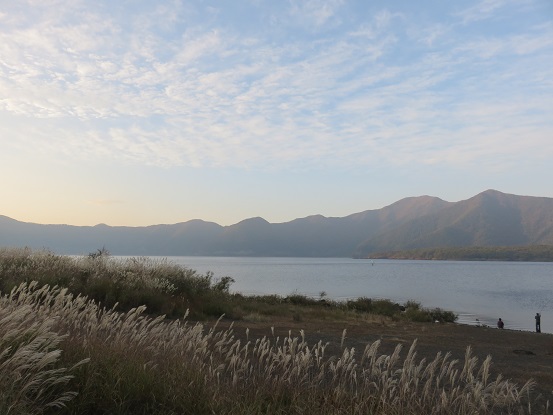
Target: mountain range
[{"x": 490, "y": 218}]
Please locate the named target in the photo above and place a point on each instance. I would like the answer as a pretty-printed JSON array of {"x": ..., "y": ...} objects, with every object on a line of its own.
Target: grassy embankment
[{"x": 62, "y": 352}]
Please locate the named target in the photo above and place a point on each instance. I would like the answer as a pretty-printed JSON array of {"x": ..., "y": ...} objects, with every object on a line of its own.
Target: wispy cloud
[
  {"x": 314, "y": 12},
  {"x": 84, "y": 83},
  {"x": 486, "y": 9}
]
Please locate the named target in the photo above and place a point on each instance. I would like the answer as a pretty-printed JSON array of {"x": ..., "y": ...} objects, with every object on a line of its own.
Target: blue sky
[{"x": 145, "y": 112}]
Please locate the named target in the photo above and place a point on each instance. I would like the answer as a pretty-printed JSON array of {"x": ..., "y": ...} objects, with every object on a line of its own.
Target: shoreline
[{"x": 493, "y": 326}]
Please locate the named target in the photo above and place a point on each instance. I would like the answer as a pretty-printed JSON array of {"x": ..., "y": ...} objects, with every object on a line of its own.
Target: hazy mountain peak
[
  {"x": 253, "y": 221},
  {"x": 491, "y": 218},
  {"x": 492, "y": 192},
  {"x": 7, "y": 219},
  {"x": 315, "y": 218}
]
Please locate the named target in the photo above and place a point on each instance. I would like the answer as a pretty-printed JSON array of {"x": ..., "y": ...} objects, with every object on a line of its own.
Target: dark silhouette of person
[
  {"x": 538, "y": 323},
  {"x": 500, "y": 324}
]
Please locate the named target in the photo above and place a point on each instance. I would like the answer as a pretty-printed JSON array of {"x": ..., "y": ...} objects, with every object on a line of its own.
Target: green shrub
[
  {"x": 223, "y": 285},
  {"x": 300, "y": 299},
  {"x": 414, "y": 312},
  {"x": 443, "y": 316},
  {"x": 418, "y": 315},
  {"x": 361, "y": 304}
]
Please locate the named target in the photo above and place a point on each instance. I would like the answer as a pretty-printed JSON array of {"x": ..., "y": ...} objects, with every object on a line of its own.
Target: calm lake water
[{"x": 514, "y": 291}]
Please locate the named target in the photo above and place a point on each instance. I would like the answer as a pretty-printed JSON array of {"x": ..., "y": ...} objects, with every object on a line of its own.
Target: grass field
[{"x": 74, "y": 340}]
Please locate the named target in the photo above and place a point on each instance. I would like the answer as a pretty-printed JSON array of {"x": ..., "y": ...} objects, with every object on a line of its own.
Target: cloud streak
[{"x": 345, "y": 93}]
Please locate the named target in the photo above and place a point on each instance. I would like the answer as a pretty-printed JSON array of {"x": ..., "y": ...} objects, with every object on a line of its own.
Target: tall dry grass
[
  {"x": 143, "y": 365},
  {"x": 164, "y": 287},
  {"x": 31, "y": 377}
]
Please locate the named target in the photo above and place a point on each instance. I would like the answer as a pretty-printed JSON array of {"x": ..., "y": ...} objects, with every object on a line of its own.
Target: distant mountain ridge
[{"x": 490, "y": 218}]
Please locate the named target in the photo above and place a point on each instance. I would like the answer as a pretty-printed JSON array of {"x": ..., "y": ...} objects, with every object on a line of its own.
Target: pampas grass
[
  {"x": 143, "y": 365},
  {"x": 31, "y": 378}
]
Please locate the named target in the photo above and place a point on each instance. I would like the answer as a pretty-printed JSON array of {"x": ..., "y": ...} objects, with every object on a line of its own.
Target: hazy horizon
[
  {"x": 257, "y": 216},
  {"x": 144, "y": 113}
]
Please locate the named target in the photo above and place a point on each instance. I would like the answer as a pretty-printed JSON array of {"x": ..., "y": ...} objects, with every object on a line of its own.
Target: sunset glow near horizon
[{"x": 139, "y": 113}]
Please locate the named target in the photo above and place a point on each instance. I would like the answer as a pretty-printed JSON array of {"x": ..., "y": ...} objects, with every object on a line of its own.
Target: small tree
[
  {"x": 100, "y": 253},
  {"x": 223, "y": 285}
]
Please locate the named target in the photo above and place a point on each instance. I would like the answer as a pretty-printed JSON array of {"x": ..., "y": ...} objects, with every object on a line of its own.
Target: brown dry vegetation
[
  {"x": 123, "y": 363},
  {"x": 61, "y": 352},
  {"x": 517, "y": 355}
]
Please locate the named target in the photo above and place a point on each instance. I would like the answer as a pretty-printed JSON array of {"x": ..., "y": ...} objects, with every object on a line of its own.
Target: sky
[{"x": 139, "y": 112}]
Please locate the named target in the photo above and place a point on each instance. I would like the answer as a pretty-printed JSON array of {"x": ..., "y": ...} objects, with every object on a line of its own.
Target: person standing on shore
[
  {"x": 500, "y": 324},
  {"x": 538, "y": 323}
]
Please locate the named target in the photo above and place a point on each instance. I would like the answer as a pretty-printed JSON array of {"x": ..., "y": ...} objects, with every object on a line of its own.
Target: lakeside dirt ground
[{"x": 516, "y": 355}]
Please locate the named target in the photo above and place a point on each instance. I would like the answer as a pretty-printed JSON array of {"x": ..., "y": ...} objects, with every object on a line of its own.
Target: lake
[{"x": 514, "y": 291}]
